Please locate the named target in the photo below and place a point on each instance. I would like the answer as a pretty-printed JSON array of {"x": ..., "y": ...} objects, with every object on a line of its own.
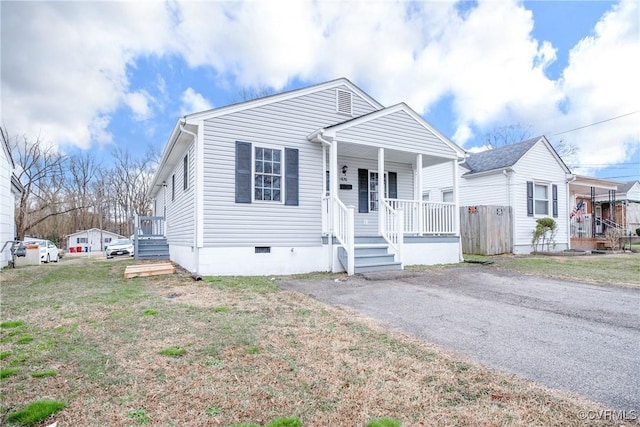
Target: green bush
[
  {"x": 638, "y": 231},
  {"x": 544, "y": 233}
]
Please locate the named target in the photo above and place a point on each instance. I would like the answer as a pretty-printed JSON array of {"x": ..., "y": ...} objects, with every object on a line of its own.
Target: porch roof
[
  {"x": 582, "y": 185},
  {"x": 398, "y": 129}
]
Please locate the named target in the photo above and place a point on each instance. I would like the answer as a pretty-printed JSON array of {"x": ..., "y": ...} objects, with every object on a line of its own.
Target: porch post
[
  {"x": 333, "y": 178},
  {"x": 456, "y": 199},
  {"x": 380, "y": 191},
  {"x": 418, "y": 195}
]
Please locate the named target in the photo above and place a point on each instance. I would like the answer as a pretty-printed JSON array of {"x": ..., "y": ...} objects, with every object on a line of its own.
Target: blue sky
[{"x": 93, "y": 76}]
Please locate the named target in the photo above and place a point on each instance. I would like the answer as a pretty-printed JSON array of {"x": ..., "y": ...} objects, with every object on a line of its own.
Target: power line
[{"x": 595, "y": 123}]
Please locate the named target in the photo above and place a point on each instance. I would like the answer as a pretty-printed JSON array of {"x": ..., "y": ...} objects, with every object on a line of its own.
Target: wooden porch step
[{"x": 143, "y": 270}]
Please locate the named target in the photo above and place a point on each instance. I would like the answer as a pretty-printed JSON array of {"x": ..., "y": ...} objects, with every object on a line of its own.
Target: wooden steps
[{"x": 143, "y": 270}]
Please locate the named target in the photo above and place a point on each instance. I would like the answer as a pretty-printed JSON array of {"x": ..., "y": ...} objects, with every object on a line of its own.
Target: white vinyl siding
[
  {"x": 91, "y": 238},
  {"x": 397, "y": 131},
  {"x": 7, "y": 204},
  {"x": 540, "y": 166},
  {"x": 283, "y": 124},
  {"x": 180, "y": 224},
  {"x": 496, "y": 189}
]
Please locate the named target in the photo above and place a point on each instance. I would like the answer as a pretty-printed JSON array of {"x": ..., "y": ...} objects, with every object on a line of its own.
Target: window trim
[
  {"x": 547, "y": 185},
  {"x": 185, "y": 172},
  {"x": 282, "y": 173},
  {"x": 173, "y": 187}
]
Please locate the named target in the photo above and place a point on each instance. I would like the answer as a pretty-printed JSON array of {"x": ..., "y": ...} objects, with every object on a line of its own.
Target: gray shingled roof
[
  {"x": 498, "y": 158},
  {"x": 624, "y": 187}
]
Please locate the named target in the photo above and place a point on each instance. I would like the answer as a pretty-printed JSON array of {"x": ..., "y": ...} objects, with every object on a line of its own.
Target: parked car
[
  {"x": 20, "y": 249},
  {"x": 120, "y": 247},
  {"x": 47, "y": 249}
]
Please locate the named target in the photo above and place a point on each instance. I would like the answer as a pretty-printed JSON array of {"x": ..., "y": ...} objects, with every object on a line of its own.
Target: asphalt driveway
[{"x": 570, "y": 336}]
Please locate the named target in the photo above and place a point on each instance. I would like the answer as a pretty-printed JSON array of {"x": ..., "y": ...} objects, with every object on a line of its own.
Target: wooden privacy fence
[{"x": 485, "y": 230}]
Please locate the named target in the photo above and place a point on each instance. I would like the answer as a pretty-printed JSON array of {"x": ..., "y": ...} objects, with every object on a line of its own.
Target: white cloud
[
  {"x": 138, "y": 102},
  {"x": 64, "y": 64},
  {"x": 484, "y": 59},
  {"x": 601, "y": 82},
  {"x": 193, "y": 102}
]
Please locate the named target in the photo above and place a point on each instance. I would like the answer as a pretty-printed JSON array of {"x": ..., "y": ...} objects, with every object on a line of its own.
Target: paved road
[{"x": 566, "y": 335}]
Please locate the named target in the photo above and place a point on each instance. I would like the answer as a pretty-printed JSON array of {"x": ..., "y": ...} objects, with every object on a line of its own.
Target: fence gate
[{"x": 486, "y": 230}]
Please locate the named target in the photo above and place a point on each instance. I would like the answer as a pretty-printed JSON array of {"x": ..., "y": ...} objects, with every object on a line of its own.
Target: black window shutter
[
  {"x": 393, "y": 185},
  {"x": 243, "y": 172},
  {"x": 291, "y": 176},
  {"x": 363, "y": 190},
  {"x": 554, "y": 193},
  {"x": 529, "y": 198}
]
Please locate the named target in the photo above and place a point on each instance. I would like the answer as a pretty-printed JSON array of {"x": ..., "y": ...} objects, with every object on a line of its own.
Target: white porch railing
[
  {"x": 393, "y": 228},
  {"x": 426, "y": 217},
  {"x": 343, "y": 230}
]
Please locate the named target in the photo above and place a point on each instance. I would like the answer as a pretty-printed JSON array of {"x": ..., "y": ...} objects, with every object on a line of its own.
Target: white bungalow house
[
  {"x": 322, "y": 178},
  {"x": 528, "y": 176},
  {"x": 10, "y": 189},
  {"x": 91, "y": 240}
]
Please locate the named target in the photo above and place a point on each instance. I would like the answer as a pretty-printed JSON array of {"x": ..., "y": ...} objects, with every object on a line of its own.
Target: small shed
[{"x": 91, "y": 240}]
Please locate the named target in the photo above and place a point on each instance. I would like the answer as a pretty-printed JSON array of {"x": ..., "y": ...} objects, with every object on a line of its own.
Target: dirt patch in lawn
[{"x": 240, "y": 351}]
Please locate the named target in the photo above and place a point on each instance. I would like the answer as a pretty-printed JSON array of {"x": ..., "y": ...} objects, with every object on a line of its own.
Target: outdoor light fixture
[{"x": 345, "y": 168}]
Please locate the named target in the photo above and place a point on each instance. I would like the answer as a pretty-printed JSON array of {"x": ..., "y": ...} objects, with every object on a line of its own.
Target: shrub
[
  {"x": 638, "y": 231},
  {"x": 544, "y": 233}
]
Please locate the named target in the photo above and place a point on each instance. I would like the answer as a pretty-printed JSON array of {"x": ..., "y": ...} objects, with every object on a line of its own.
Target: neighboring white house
[
  {"x": 292, "y": 183},
  {"x": 92, "y": 240},
  {"x": 528, "y": 176},
  {"x": 10, "y": 188}
]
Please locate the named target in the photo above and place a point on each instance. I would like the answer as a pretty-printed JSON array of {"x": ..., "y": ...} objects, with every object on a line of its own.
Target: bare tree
[
  {"x": 130, "y": 181},
  {"x": 511, "y": 134},
  {"x": 82, "y": 172},
  {"x": 505, "y": 135},
  {"x": 41, "y": 172},
  {"x": 245, "y": 94}
]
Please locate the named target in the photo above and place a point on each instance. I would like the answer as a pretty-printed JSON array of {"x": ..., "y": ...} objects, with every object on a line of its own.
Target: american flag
[{"x": 578, "y": 210}]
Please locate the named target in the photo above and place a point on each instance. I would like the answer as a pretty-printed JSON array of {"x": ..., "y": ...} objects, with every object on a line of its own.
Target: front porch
[{"x": 383, "y": 224}]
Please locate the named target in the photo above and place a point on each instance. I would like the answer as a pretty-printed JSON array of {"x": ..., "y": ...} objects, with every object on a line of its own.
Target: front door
[{"x": 598, "y": 219}]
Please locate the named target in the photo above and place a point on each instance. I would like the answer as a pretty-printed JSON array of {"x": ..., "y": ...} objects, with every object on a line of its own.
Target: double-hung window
[
  {"x": 268, "y": 174},
  {"x": 541, "y": 199}
]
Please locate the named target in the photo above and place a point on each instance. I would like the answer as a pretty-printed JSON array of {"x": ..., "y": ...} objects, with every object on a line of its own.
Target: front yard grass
[
  {"x": 241, "y": 352},
  {"x": 605, "y": 269}
]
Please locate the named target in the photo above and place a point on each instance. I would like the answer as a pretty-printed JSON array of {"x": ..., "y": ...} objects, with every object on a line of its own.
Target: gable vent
[{"x": 344, "y": 104}]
